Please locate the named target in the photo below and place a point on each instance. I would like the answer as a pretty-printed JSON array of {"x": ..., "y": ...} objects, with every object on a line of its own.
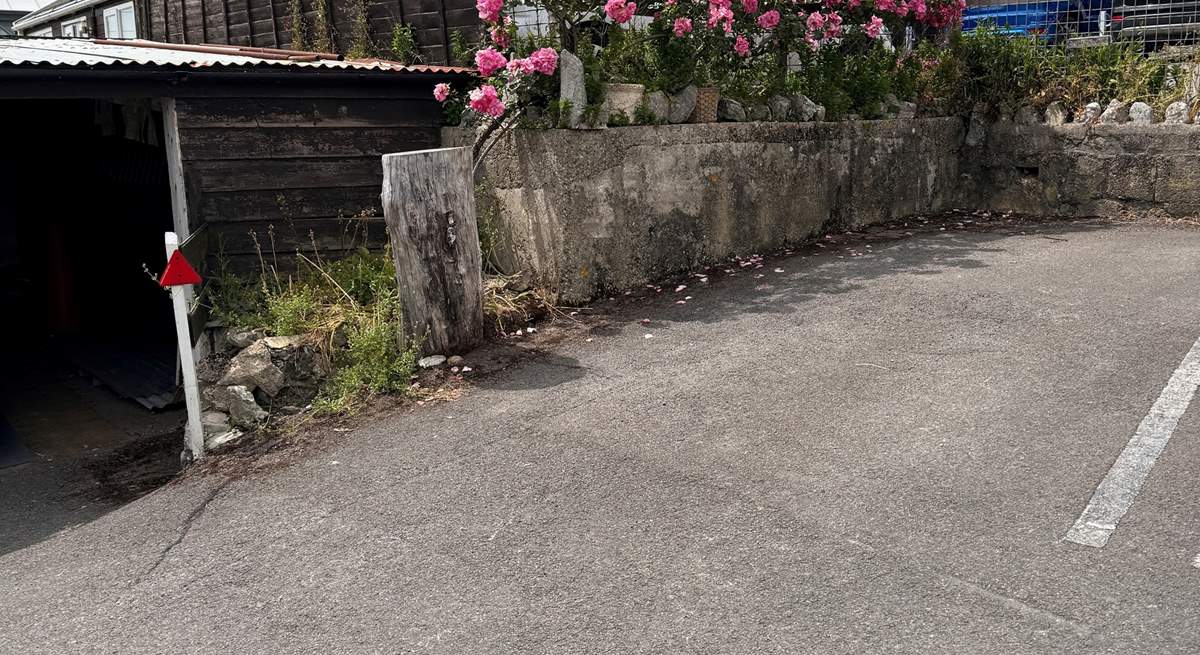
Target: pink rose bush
[
  {"x": 620, "y": 11},
  {"x": 507, "y": 77}
]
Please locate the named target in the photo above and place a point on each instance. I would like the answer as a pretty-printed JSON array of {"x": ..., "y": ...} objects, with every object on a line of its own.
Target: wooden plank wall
[
  {"x": 268, "y": 23},
  {"x": 294, "y": 171}
]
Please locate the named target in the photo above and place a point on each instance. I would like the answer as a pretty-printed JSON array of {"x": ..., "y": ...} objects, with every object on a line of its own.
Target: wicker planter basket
[{"x": 706, "y": 105}]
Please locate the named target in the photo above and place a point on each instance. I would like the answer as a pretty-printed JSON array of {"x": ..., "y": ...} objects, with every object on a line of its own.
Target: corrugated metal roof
[{"x": 96, "y": 53}]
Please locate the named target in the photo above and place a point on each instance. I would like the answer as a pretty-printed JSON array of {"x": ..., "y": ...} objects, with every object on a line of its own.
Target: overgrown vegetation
[
  {"x": 1006, "y": 72},
  {"x": 361, "y": 45},
  {"x": 404, "y": 45},
  {"x": 322, "y": 40},
  {"x": 350, "y": 306},
  {"x": 299, "y": 29}
]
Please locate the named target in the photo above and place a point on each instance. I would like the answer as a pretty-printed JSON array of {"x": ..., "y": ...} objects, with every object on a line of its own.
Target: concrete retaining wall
[
  {"x": 586, "y": 212},
  {"x": 1085, "y": 170}
]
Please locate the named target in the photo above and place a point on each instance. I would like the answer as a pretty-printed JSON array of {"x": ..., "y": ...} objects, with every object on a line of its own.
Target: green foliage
[
  {"x": 643, "y": 115},
  {"x": 462, "y": 53},
  {"x": 559, "y": 112},
  {"x": 629, "y": 56},
  {"x": 361, "y": 45},
  {"x": 618, "y": 119},
  {"x": 322, "y": 31},
  {"x": 299, "y": 29},
  {"x": 404, "y": 45},
  {"x": 1006, "y": 72},
  {"x": 374, "y": 360},
  {"x": 351, "y": 305}
]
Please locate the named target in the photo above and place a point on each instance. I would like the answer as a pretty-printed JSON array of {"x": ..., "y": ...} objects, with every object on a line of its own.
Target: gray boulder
[
  {"x": 431, "y": 361},
  {"x": 659, "y": 105},
  {"x": 231, "y": 340},
  {"x": 804, "y": 109},
  {"x": 780, "y": 107},
  {"x": 1140, "y": 113},
  {"x": 571, "y": 86},
  {"x": 238, "y": 402},
  {"x": 682, "y": 105},
  {"x": 215, "y": 422},
  {"x": 1026, "y": 115},
  {"x": 1090, "y": 114},
  {"x": 1177, "y": 113},
  {"x": 729, "y": 109},
  {"x": 1055, "y": 114},
  {"x": 1115, "y": 113},
  {"x": 758, "y": 113},
  {"x": 906, "y": 110},
  {"x": 252, "y": 368}
]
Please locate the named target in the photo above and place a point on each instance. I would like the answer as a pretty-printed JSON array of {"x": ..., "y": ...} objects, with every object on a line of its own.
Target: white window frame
[
  {"x": 46, "y": 31},
  {"x": 76, "y": 27},
  {"x": 115, "y": 12}
]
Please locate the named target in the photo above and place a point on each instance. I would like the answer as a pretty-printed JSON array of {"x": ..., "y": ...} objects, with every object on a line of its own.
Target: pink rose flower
[
  {"x": 499, "y": 36},
  {"x": 620, "y": 11},
  {"x": 741, "y": 46},
  {"x": 833, "y": 25},
  {"x": 719, "y": 12},
  {"x": 544, "y": 60},
  {"x": 683, "y": 26},
  {"x": 874, "y": 27},
  {"x": 885, "y": 5},
  {"x": 489, "y": 61},
  {"x": 769, "y": 20},
  {"x": 520, "y": 67},
  {"x": 489, "y": 10},
  {"x": 750, "y": 6},
  {"x": 485, "y": 101},
  {"x": 441, "y": 92},
  {"x": 816, "y": 22}
]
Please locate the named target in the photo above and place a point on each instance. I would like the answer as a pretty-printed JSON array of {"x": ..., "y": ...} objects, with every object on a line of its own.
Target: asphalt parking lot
[{"x": 958, "y": 442}]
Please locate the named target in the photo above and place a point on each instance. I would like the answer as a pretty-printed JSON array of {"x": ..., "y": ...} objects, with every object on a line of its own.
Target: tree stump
[{"x": 429, "y": 208}]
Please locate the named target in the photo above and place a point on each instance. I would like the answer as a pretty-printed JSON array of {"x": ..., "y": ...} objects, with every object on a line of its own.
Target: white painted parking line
[{"x": 1118, "y": 489}]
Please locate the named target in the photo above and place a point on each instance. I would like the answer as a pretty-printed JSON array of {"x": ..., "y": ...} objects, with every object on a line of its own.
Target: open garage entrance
[{"x": 87, "y": 363}]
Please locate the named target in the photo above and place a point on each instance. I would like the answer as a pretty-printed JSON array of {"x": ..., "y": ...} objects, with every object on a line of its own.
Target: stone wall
[
  {"x": 1085, "y": 170},
  {"x": 587, "y": 212}
]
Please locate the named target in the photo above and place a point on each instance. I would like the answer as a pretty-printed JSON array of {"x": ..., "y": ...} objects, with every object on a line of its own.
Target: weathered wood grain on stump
[{"x": 429, "y": 207}]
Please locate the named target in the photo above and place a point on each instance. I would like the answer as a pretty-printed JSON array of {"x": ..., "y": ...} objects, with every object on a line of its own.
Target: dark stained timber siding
[{"x": 294, "y": 172}]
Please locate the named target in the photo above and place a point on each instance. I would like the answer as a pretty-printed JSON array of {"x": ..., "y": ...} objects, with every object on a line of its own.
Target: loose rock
[
  {"x": 804, "y": 109},
  {"x": 729, "y": 109},
  {"x": 780, "y": 107},
  {"x": 215, "y": 422},
  {"x": 1115, "y": 113},
  {"x": 253, "y": 369},
  {"x": 758, "y": 113},
  {"x": 238, "y": 402},
  {"x": 571, "y": 87},
  {"x": 659, "y": 105},
  {"x": 907, "y": 110},
  {"x": 1026, "y": 115},
  {"x": 456, "y": 360},
  {"x": 1177, "y": 113},
  {"x": 1055, "y": 114},
  {"x": 431, "y": 361},
  {"x": 1140, "y": 113},
  {"x": 682, "y": 105},
  {"x": 1091, "y": 113}
]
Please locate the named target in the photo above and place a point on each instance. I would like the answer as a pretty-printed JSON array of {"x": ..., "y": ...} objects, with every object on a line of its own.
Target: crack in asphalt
[{"x": 184, "y": 528}]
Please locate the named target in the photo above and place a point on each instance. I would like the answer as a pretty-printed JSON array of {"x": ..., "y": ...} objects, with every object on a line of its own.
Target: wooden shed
[
  {"x": 255, "y": 153},
  {"x": 263, "y": 23}
]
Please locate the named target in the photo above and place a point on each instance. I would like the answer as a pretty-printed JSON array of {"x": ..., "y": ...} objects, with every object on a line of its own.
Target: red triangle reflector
[{"x": 178, "y": 272}]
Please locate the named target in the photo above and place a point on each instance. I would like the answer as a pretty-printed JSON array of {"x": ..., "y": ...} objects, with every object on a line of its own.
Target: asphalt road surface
[{"x": 875, "y": 453}]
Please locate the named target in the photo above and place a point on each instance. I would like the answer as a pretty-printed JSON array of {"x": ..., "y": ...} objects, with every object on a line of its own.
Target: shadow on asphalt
[
  {"x": 545, "y": 370},
  {"x": 812, "y": 271}
]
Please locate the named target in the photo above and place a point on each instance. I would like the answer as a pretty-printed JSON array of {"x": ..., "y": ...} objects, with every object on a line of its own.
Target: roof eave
[{"x": 39, "y": 17}]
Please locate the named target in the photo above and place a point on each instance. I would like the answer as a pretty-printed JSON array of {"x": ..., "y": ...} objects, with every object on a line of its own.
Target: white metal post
[{"x": 194, "y": 432}]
